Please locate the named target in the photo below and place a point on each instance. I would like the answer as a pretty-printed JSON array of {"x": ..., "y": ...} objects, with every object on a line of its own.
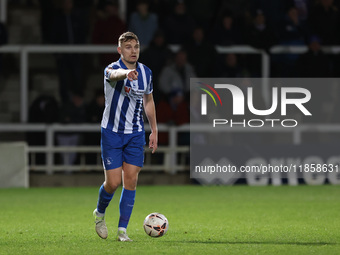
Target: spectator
[
  {"x": 314, "y": 63},
  {"x": 96, "y": 107},
  {"x": 324, "y": 21},
  {"x": 69, "y": 28},
  {"x": 302, "y": 7},
  {"x": 163, "y": 8},
  {"x": 230, "y": 67},
  {"x": 173, "y": 110},
  {"x": 273, "y": 10},
  {"x": 156, "y": 56},
  {"x": 293, "y": 31},
  {"x": 143, "y": 23},
  {"x": 201, "y": 54},
  {"x": 47, "y": 10},
  {"x": 3, "y": 40},
  {"x": 73, "y": 112},
  {"x": 226, "y": 32},
  {"x": 177, "y": 75},
  {"x": 44, "y": 109},
  {"x": 203, "y": 12},
  {"x": 179, "y": 26},
  {"x": 260, "y": 35},
  {"x": 94, "y": 113},
  {"x": 109, "y": 18},
  {"x": 237, "y": 7}
]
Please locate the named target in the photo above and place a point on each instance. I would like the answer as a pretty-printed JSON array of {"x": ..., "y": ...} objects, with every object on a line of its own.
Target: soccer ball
[{"x": 156, "y": 224}]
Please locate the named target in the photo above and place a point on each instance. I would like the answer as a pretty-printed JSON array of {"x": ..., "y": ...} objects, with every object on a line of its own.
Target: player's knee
[
  {"x": 111, "y": 186},
  {"x": 130, "y": 182}
]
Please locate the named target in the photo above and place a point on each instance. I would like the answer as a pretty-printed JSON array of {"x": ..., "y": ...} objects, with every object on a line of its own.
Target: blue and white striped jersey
[{"x": 124, "y": 100}]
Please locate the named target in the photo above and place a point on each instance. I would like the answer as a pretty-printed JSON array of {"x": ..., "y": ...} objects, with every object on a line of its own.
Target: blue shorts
[{"x": 118, "y": 148}]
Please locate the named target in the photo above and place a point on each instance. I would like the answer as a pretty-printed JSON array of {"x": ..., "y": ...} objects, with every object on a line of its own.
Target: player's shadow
[{"x": 260, "y": 243}]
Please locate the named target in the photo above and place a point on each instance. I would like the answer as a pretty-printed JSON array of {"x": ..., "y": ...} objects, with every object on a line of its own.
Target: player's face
[{"x": 129, "y": 51}]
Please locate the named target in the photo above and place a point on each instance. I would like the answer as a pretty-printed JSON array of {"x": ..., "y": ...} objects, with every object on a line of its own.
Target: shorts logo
[{"x": 108, "y": 161}]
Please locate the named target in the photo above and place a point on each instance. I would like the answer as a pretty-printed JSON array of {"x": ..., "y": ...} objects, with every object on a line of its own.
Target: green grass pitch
[{"x": 202, "y": 220}]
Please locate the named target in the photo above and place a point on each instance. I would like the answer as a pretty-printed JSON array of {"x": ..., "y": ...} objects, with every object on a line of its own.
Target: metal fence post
[
  {"x": 23, "y": 85},
  {"x": 265, "y": 76},
  {"x": 297, "y": 136},
  {"x": 172, "y": 145},
  {"x": 50, "y": 144}
]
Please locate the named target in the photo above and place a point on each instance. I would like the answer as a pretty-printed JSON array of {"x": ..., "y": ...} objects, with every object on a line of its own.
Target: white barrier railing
[
  {"x": 26, "y": 50},
  {"x": 171, "y": 152}
]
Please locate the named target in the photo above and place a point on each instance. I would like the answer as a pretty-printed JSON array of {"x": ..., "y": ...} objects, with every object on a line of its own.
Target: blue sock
[
  {"x": 103, "y": 200},
  {"x": 126, "y": 203}
]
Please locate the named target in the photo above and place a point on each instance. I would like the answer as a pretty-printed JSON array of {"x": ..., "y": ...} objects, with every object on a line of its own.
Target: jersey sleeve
[
  {"x": 149, "y": 87},
  {"x": 108, "y": 69}
]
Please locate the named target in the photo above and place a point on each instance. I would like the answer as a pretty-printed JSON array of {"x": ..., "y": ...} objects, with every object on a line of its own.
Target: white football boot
[
  {"x": 101, "y": 228},
  {"x": 123, "y": 237}
]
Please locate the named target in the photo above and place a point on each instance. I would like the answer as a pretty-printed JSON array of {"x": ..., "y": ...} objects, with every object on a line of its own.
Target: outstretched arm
[
  {"x": 121, "y": 74},
  {"x": 149, "y": 108}
]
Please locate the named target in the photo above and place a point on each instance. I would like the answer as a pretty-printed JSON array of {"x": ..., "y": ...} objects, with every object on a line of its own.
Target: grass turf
[{"x": 203, "y": 220}]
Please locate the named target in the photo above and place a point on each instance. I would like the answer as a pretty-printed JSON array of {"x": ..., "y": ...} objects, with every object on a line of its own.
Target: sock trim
[{"x": 121, "y": 229}]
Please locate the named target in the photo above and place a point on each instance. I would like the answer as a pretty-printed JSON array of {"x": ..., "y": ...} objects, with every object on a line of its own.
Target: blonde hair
[{"x": 127, "y": 36}]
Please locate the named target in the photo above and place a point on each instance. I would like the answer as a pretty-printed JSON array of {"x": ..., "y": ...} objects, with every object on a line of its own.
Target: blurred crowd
[{"x": 196, "y": 26}]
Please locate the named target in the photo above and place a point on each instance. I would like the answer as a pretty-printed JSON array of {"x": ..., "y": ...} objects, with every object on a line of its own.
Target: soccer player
[{"x": 127, "y": 87}]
